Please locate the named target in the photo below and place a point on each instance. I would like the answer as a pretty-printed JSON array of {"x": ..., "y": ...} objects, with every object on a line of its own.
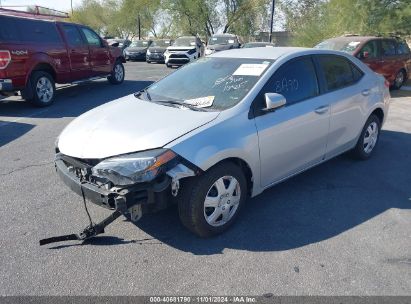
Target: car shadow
[
  {"x": 314, "y": 206},
  {"x": 72, "y": 100},
  {"x": 12, "y": 130}
]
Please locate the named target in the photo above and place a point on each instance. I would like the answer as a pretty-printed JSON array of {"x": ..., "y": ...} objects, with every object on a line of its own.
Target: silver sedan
[{"x": 222, "y": 129}]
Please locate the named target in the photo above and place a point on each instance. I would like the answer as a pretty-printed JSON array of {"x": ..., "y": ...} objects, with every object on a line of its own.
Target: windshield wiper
[{"x": 179, "y": 103}]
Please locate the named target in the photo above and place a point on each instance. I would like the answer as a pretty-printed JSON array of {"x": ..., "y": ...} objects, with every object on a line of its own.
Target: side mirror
[
  {"x": 365, "y": 55},
  {"x": 273, "y": 101}
]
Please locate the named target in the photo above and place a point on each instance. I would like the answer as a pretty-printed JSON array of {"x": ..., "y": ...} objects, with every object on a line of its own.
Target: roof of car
[
  {"x": 356, "y": 38},
  {"x": 223, "y": 35},
  {"x": 261, "y": 53}
]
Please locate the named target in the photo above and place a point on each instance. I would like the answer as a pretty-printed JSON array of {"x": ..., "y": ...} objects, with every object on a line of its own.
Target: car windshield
[
  {"x": 221, "y": 40},
  {"x": 139, "y": 43},
  {"x": 160, "y": 43},
  {"x": 185, "y": 41},
  {"x": 210, "y": 83},
  {"x": 348, "y": 46}
]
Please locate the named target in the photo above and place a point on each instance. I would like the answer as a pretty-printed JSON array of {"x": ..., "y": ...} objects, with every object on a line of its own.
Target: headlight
[
  {"x": 134, "y": 168},
  {"x": 126, "y": 52},
  {"x": 148, "y": 52},
  {"x": 192, "y": 51},
  {"x": 209, "y": 51}
]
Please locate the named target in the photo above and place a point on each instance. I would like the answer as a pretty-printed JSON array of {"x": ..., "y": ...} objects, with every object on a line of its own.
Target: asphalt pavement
[{"x": 342, "y": 228}]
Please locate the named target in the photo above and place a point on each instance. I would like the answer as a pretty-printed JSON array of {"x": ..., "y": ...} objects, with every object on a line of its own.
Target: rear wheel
[
  {"x": 368, "y": 139},
  {"x": 117, "y": 75},
  {"x": 399, "y": 80},
  {"x": 42, "y": 88},
  {"x": 209, "y": 204}
]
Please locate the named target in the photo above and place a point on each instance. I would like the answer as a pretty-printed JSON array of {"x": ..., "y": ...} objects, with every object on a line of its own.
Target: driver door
[{"x": 294, "y": 137}]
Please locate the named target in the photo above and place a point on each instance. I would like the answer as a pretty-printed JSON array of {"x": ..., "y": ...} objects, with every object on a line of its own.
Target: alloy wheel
[
  {"x": 370, "y": 137},
  {"x": 44, "y": 89}
]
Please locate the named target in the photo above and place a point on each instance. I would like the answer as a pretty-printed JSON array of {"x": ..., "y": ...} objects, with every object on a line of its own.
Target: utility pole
[
  {"x": 272, "y": 21},
  {"x": 71, "y": 7},
  {"x": 139, "y": 27}
]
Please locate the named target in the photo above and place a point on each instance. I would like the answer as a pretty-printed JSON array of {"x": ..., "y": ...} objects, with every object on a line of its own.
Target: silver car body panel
[
  {"x": 275, "y": 146},
  {"x": 127, "y": 125}
]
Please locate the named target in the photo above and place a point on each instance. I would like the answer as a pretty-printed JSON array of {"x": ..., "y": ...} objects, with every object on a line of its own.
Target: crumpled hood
[{"x": 127, "y": 125}]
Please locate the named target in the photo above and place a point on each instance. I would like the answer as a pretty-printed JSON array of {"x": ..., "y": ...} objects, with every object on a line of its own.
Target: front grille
[{"x": 178, "y": 56}]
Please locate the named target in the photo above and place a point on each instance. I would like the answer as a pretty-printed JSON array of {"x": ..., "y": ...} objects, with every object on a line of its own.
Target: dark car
[
  {"x": 389, "y": 57},
  {"x": 137, "y": 50},
  {"x": 258, "y": 44},
  {"x": 222, "y": 42},
  {"x": 37, "y": 54},
  {"x": 155, "y": 52}
]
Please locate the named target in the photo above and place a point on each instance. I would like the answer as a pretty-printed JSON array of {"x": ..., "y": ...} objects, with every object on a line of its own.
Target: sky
[{"x": 61, "y": 5}]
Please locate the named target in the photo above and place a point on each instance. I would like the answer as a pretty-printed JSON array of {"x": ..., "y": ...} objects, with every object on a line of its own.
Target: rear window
[
  {"x": 27, "y": 30},
  {"x": 338, "y": 72}
]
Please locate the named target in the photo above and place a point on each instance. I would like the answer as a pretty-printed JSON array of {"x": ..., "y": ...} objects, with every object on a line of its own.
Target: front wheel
[
  {"x": 209, "y": 204},
  {"x": 117, "y": 75},
  {"x": 368, "y": 139}
]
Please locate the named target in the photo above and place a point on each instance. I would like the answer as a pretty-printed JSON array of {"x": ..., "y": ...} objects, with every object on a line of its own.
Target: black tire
[
  {"x": 194, "y": 191},
  {"x": 400, "y": 79},
  {"x": 359, "y": 152},
  {"x": 117, "y": 76},
  {"x": 169, "y": 66},
  {"x": 148, "y": 61},
  {"x": 41, "y": 89}
]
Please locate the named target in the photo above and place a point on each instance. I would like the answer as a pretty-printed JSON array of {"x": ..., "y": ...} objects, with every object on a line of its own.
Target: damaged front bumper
[{"x": 152, "y": 196}]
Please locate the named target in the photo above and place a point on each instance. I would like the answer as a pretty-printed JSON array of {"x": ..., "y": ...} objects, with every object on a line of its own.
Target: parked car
[
  {"x": 251, "y": 119},
  {"x": 155, "y": 52},
  {"x": 222, "y": 42},
  {"x": 258, "y": 44},
  {"x": 137, "y": 50},
  {"x": 37, "y": 54},
  {"x": 184, "y": 49},
  {"x": 390, "y": 57}
]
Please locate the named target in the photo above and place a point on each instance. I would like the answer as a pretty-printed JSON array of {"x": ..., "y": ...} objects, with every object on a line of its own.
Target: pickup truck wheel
[
  {"x": 117, "y": 75},
  {"x": 209, "y": 204},
  {"x": 43, "y": 88},
  {"x": 368, "y": 139}
]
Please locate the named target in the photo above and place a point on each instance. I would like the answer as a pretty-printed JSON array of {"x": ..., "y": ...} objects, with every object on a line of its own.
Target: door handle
[
  {"x": 321, "y": 110},
  {"x": 366, "y": 92}
]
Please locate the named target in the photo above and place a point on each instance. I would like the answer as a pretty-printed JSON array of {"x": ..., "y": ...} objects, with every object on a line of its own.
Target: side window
[
  {"x": 38, "y": 31},
  {"x": 338, "y": 72},
  {"x": 295, "y": 80},
  {"x": 402, "y": 48},
  {"x": 388, "y": 48},
  {"x": 91, "y": 37},
  {"x": 8, "y": 29},
  {"x": 72, "y": 35},
  {"x": 372, "y": 49}
]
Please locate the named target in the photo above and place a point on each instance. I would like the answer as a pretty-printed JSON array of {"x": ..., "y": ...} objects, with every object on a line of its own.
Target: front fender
[{"x": 222, "y": 139}]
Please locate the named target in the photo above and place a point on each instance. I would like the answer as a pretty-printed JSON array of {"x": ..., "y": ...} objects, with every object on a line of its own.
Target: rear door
[
  {"x": 293, "y": 137},
  {"x": 391, "y": 63},
  {"x": 99, "y": 53},
  {"x": 347, "y": 96},
  {"x": 78, "y": 51}
]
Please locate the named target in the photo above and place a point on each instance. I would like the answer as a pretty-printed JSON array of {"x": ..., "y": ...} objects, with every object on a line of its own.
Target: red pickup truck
[{"x": 36, "y": 54}]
